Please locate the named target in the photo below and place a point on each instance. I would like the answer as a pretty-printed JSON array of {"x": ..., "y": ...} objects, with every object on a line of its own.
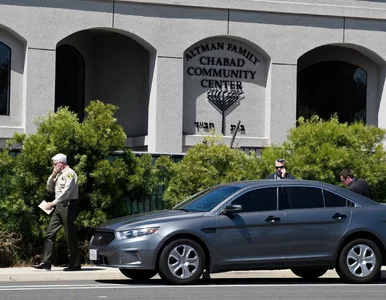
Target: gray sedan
[{"x": 306, "y": 226}]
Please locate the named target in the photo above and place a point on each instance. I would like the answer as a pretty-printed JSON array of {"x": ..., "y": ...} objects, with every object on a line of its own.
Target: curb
[{"x": 29, "y": 274}]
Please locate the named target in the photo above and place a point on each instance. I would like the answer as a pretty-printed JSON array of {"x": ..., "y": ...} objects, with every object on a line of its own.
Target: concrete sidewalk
[
  {"x": 57, "y": 273},
  {"x": 100, "y": 273}
]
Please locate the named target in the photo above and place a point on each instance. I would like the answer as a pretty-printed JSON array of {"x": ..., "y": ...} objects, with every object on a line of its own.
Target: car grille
[{"x": 103, "y": 238}]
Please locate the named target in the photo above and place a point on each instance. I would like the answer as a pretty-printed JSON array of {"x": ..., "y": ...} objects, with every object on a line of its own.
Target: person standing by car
[
  {"x": 64, "y": 182},
  {"x": 359, "y": 186},
  {"x": 281, "y": 171}
]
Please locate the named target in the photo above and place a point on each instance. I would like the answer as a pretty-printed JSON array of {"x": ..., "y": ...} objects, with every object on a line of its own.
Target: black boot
[
  {"x": 43, "y": 265},
  {"x": 75, "y": 268}
]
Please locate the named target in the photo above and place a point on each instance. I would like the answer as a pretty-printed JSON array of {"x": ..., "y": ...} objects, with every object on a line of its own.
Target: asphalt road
[{"x": 224, "y": 289}]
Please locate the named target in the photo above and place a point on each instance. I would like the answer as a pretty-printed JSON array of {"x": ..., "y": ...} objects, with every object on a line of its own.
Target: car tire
[
  {"x": 309, "y": 273},
  {"x": 138, "y": 275},
  {"x": 181, "y": 262},
  {"x": 360, "y": 261}
]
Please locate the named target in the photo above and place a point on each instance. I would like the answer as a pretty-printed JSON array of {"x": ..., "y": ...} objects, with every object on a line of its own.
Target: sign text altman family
[{"x": 222, "y": 72}]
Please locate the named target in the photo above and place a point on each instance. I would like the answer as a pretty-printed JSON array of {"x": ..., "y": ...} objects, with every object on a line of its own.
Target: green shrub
[
  {"x": 103, "y": 186},
  {"x": 319, "y": 149},
  {"x": 204, "y": 165},
  {"x": 9, "y": 247},
  {"x": 315, "y": 150}
]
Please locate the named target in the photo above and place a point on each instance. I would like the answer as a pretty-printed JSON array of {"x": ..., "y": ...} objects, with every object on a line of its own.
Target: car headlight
[{"x": 133, "y": 233}]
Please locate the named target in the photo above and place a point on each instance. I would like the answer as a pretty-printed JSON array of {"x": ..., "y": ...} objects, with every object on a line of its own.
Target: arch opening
[
  {"x": 5, "y": 78},
  {"x": 342, "y": 79},
  {"x": 330, "y": 87},
  {"x": 113, "y": 67},
  {"x": 70, "y": 79}
]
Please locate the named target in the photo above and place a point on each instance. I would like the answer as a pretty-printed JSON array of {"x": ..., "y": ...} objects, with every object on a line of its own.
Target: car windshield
[{"x": 208, "y": 199}]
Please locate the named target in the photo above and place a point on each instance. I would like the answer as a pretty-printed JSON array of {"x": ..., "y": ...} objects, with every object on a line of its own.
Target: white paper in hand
[{"x": 42, "y": 205}]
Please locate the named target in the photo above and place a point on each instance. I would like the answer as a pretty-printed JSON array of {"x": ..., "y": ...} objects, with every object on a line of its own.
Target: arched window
[
  {"x": 5, "y": 78},
  {"x": 332, "y": 87}
]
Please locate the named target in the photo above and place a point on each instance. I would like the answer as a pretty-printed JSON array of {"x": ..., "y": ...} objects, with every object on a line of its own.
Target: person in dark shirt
[
  {"x": 358, "y": 186},
  {"x": 281, "y": 171}
]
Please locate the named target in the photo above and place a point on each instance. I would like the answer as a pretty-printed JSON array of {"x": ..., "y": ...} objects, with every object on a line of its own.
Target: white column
[
  {"x": 375, "y": 115},
  {"x": 283, "y": 101},
  {"x": 165, "y": 109},
  {"x": 40, "y": 86}
]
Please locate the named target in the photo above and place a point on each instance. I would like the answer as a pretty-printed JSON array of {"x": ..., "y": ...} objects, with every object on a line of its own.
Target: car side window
[
  {"x": 258, "y": 200},
  {"x": 304, "y": 197},
  {"x": 334, "y": 200}
]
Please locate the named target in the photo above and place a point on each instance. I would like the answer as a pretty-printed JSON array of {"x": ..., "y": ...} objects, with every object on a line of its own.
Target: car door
[
  {"x": 251, "y": 237},
  {"x": 316, "y": 220}
]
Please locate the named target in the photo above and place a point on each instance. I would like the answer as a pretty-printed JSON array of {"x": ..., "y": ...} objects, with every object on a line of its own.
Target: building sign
[
  {"x": 209, "y": 125},
  {"x": 221, "y": 72},
  {"x": 223, "y": 81},
  {"x": 223, "y": 99}
]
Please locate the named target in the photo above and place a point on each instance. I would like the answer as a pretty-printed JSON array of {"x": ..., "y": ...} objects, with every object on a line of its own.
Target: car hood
[{"x": 146, "y": 218}]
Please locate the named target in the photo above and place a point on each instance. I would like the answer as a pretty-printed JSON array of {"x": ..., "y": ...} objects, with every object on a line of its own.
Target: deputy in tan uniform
[{"x": 64, "y": 182}]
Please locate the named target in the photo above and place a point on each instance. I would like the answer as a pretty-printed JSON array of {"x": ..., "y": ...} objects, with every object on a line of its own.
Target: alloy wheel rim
[
  {"x": 361, "y": 260},
  {"x": 183, "y": 261}
]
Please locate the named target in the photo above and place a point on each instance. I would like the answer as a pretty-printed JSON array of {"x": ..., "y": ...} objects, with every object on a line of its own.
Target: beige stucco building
[{"x": 177, "y": 68}]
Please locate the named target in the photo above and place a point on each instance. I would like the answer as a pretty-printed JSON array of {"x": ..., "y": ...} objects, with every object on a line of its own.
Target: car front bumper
[{"x": 134, "y": 253}]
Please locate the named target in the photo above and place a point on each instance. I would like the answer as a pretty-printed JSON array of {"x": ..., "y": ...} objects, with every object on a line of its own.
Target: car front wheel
[
  {"x": 360, "y": 261},
  {"x": 182, "y": 262},
  {"x": 309, "y": 274},
  {"x": 138, "y": 275}
]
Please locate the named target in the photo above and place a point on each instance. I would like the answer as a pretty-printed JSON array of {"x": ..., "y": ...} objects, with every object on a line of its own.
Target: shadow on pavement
[
  {"x": 91, "y": 269},
  {"x": 84, "y": 269},
  {"x": 243, "y": 281}
]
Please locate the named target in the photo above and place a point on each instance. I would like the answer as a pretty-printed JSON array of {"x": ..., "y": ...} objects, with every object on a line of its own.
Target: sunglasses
[{"x": 279, "y": 167}]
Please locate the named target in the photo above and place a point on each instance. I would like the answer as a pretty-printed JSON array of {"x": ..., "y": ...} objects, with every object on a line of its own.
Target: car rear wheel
[
  {"x": 309, "y": 273},
  {"x": 182, "y": 262},
  {"x": 138, "y": 275},
  {"x": 360, "y": 261}
]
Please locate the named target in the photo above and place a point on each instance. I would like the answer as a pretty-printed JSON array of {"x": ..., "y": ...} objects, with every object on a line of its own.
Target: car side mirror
[{"x": 232, "y": 208}]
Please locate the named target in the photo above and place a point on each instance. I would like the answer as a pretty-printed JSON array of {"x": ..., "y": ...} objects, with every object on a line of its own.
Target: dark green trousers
[{"x": 63, "y": 215}]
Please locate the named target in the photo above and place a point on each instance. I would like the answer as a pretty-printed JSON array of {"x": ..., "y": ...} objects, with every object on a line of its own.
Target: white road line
[{"x": 110, "y": 286}]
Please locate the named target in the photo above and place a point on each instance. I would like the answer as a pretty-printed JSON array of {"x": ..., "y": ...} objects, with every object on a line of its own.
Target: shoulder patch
[{"x": 70, "y": 176}]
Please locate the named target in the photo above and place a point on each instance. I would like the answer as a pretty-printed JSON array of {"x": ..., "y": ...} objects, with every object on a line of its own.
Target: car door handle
[
  {"x": 339, "y": 216},
  {"x": 272, "y": 219}
]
